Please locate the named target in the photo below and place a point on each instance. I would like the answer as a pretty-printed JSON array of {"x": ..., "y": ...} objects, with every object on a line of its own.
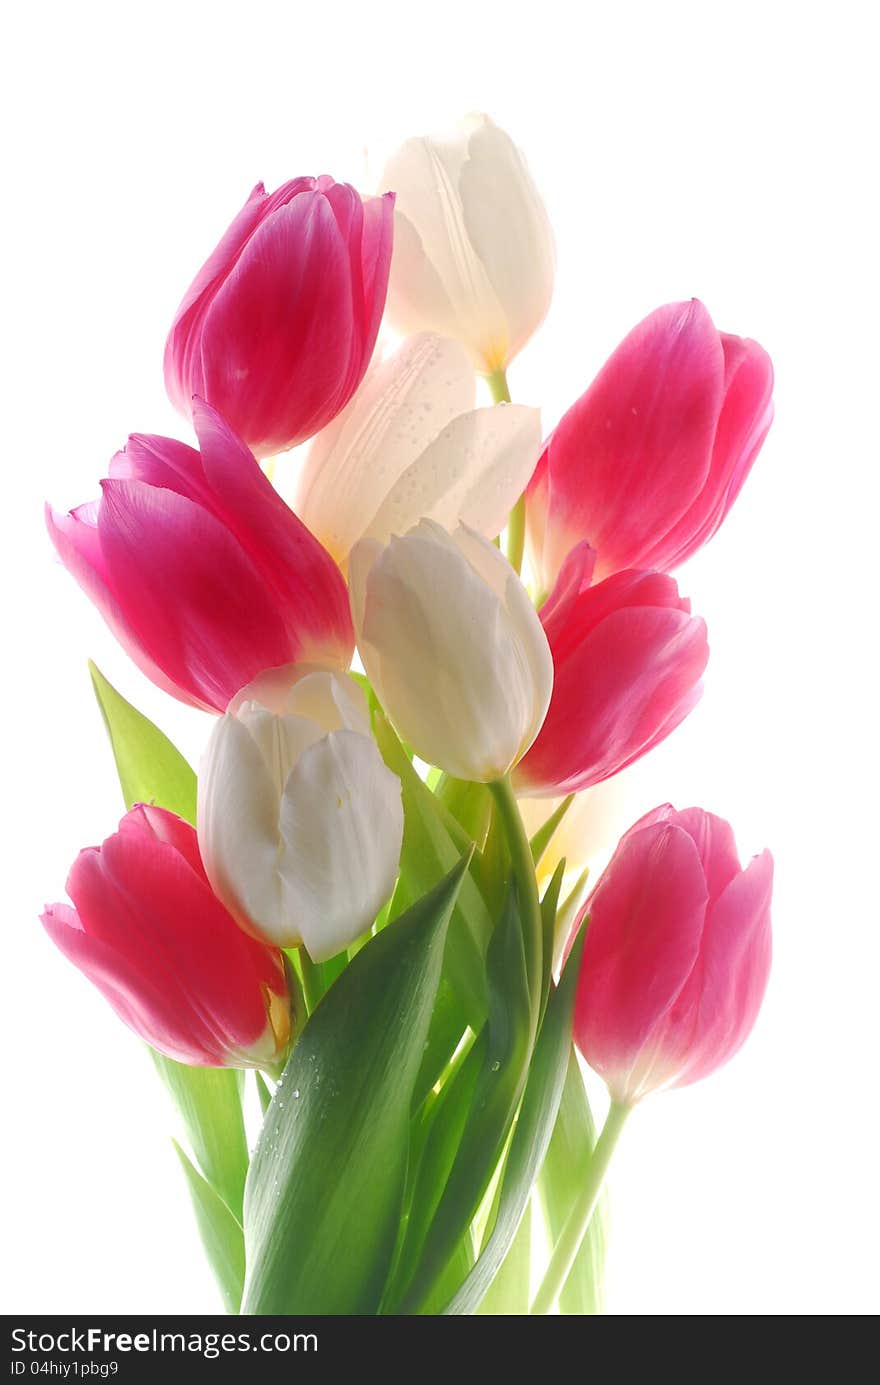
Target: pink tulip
[
  {"x": 278, "y": 326},
  {"x": 677, "y": 954},
  {"x": 627, "y": 659},
  {"x": 647, "y": 463},
  {"x": 201, "y": 570},
  {"x": 147, "y": 929}
]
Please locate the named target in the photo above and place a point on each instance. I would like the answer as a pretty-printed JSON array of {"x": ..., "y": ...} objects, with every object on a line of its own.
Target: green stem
[
  {"x": 527, "y": 886},
  {"x": 497, "y": 383},
  {"x": 312, "y": 981},
  {"x": 578, "y": 1223},
  {"x": 516, "y": 523},
  {"x": 516, "y": 534}
]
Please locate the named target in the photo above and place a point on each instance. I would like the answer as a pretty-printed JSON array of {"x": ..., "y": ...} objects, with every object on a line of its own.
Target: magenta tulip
[
  {"x": 647, "y": 463},
  {"x": 627, "y": 660},
  {"x": 147, "y": 929},
  {"x": 201, "y": 570},
  {"x": 677, "y": 954},
  {"x": 278, "y": 326}
]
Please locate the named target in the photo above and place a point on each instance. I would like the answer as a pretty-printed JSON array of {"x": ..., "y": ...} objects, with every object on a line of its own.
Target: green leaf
[
  {"x": 436, "y": 1143},
  {"x": 221, "y": 1234},
  {"x": 428, "y": 853},
  {"x": 549, "y": 906},
  {"x": 509, "y": 1293},
  {"x": 546, "y": 832},
  {"x": 209, "y": 1101},
  {"x": 263, "y": 1091},
  {"x": 151, "y": 769},
  {"x": 531, "y": 1138},
  {"x": 326, "y": 1185},
  {"x": 504, "y": 1059},
  {"x": 571, "y": 1147},
  {"x": 470, "y": 805}
]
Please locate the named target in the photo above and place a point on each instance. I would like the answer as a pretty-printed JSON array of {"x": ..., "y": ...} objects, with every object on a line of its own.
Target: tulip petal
[
  {"x": 466, "y": 677},
  {"x": 335, "y": 703},
  {"x": 634, "y": 452},
  {"x": 163, "y": 462},
  {"x": 643, "y": 939},
  {"x": 286, "y": 303},
  {"x": 377, "y": 238},
  {"x": 714, "y": 839},
  {"x": 497, "y": 191},
  {"x": 307, "y": 585},
  {"x": 166, "y": 954},
  {"x": 77, "y": 543},
  {"x": 342, "y": 827},
  {"x": 199, "y": 605},
  {"x": 238, "y": 832},
  {"x": 720, "y": 1004},
  {"x": 473, "y": 472},
  {"x": 615, "y": 695},
  {"x": 743, "y": 425},
  {"x": 435, "y": 264},
  {"x": 352, "y": 464}
]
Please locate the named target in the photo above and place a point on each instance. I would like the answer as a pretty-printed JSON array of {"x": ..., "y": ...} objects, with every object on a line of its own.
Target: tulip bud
[
  {"x": 148, "y": 931},
  {"x": 647, "y": 463},
  {"x": 453, "y": 647},
  {"x": 411, "y": 446},
  {"x": 627, "y": 661},
  {"x": 200, "y": 569},
  {"x": 300, "y": 821},
  {"x": 278, "y": 326},
  {"x": 677, "y": 954},
  {"x": 473, "y": 249}
]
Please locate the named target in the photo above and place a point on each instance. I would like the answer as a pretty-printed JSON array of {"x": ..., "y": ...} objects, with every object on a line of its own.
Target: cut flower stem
[
  {"x": 575, "y": 1229},
  {"x": 516, "y": 524}
]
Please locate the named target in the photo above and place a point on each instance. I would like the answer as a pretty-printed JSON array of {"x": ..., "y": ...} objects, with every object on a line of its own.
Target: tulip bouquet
[{"x": 347, "y": 899}]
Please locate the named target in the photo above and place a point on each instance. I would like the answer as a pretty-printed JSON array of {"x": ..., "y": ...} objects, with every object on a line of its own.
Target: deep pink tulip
[
  {"x": 677, "y": 954},
  {"x": 627, "y": 661},
  {"x": 148, "y": 930},
  {"x": 650, "y": 459},
  {"x": 201, "y": 570},
  {"x": 278, "y": 326}
]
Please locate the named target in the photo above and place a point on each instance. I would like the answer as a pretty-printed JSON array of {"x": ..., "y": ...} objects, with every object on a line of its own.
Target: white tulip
[
  {"x": 473, "y": 249},
  {"x": 409, "y": 446},
  {"x": 300, "y": 821},
  {"x": 453, "y": 647}
]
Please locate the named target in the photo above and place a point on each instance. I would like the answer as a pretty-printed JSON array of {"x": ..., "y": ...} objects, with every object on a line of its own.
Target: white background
[{"x": 727, "y": 152}]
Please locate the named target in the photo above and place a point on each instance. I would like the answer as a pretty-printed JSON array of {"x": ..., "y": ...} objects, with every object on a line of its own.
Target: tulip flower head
[
  {"x": 453, "y": 648},
  {"x": 677, "y": 954},
  {"x": 146, "y": 928},
  {"x": 627, "y": 661},
  {"x": 409, "y": 446},
  {"x": 300, "y": 821},
  {"x": 473, "y": 249},
  {"x": 647, "y": 463},
  {"x": 200, "y": 569},
  {"x": 278, "y": 326}
]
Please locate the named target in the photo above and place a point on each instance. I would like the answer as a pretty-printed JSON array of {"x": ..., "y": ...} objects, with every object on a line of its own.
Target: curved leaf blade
[
  {"x": 150, "y": 768},
  {"x": 531, "y": 1138},
  {"x": 326, "y": 1184},
  {"x": 221, "y": 1234}
]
